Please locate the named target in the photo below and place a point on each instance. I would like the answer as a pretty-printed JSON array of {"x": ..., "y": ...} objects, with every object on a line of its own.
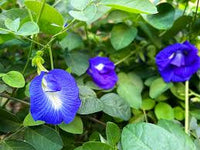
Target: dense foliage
[{"x": 125, "y": 96}]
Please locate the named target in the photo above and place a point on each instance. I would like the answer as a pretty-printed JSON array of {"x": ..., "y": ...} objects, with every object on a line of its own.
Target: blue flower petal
[
  {"x": 178, "y": 62},
  {"x": 102, "y": 71},
  {"x": 55, "y": 106}
]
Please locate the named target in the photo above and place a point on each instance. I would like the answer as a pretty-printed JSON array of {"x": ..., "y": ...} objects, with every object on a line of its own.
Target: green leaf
[
  {"x": 28, "y": 28},
  {"x": 129, "y": 88},
  {"x": 90, "y": 103},
  {"x": 148, "y": 104},
  {"x": 115, "y": 106},
  {"x": 184, "y": 139},
  {"x": 179, "y": 113},
  {"x": 43, "y": 138},
  {"x": 164, "y": 19},
  {"x": 158, "y": 86},
  {"x": 85, "y": 15},
  {"x": 71, "y": 41},
  {"x": 122, "y": 35},
  {"x": 51, "y": 21},
  {"x": 178, "y": 90},
  {"x": 164, "y": 111},
  {"x": 77, "y": 61},
  {"x": 91, "y": 13},
  {"x": 3, "y": 87},
  {"x": 2, "y": 74},
  {"x": 96, "y": 146},
  {"x": 112, "y": 133},
  {"x": 75, "y": 127},
  {"x": 29, "y": 121},
  {"x": 49, "y": 14},
  {"x": 136, "y": 6},
  {"x": 79, "y": 4},
  {"x": 118, "y": 16},
  {"x": 146, "y": 136},
  {"x": 14, "y": 79},
  {"x": 8, "y": 121},
  {"x": 12, "y": 25},
  {"x": 16, "y": 145}
]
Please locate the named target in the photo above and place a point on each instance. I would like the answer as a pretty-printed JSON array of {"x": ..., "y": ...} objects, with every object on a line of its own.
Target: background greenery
[{"x": 130, "y": 33}]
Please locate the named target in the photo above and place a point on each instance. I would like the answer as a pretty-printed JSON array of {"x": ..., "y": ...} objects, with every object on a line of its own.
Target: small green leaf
[
  {"x": 178, "y": 90},
  {"x": 90, "y": 102},
  {"x": 158, "y": 86},
  {"x": 75, "y": 127},
  {"x": 164, "y": 19},
  {"x": 164, "y": 111},
  {"x": 96, "y": 146},
  {"x": 112, "y": 133},
  {"x": 16, "y": 145},
  {"x": 28, "y": 28},
  {"x": 115, "y": 106},
  {"x": 148, "y": 104},
  {"x": 2, "y": 74},
  {"x": 133, "y": 6},
  {"x": 122, "y": 35},
  {"x": 12, "y": 25},
  {"x": 179, "y": 113},
  {"x": 29, "y": 121},
  {"x": 14, "y": 79}
]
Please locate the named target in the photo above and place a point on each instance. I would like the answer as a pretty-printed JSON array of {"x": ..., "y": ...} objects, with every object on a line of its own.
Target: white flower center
[
  {"x": 99, "y": 67},
  {"x": 53, "y": 97},
  {"x": 55, "y": 100}
]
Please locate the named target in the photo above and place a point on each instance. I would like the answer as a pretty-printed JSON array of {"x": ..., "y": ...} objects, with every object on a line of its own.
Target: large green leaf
[
  {"x": 164, "y": 19},
  {"x": 122, "y": 35},
  {"x": 51, "y": 21},
  {"x": 43, "y": 137},
  {"x": 133, "y": 6},
  {"x": 77, "y": 61},
  {"x": 79, "y": 4},
  {"x": 184, "y": 139},
  {"x": 90, "y": 103},
  {"x": 112, "y": 133},
  {"x": 8, "y": 121},
  {"x": 158, "y": 86},
  {"x": 28, "y": 121},
  {"x": 14, "y": 79},
  {"x": 115, "y": 106},
  {"x": 96, "y": 146},
  {"x": 146, "y": 136},
  {"x": 16, "y": 145},
  {"x": 75, "y": 127}
]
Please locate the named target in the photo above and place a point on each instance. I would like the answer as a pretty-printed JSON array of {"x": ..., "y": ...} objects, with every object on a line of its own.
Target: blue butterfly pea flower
[
  {"x": 178, "y": 62},
  {"x": 54, "y": 97},
  {"x": 102, "y": 71}
]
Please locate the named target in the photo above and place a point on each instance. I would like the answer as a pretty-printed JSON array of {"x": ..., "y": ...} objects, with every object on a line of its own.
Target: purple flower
[
  {"x": 178, "y": 62},
  {"x": 54, "y": 97},
  {"x": 102, "y": 71}
]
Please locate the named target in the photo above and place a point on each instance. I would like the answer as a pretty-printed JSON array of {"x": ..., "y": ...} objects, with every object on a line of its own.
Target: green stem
[
  {"x": 28, "y": 59},
  {"x": 123, "y": 59},
  {"x": 187, "y": 107},
  {"x": 41, "y": 10},
  {"x": 51, "y": 57},
  {"x": 145, "y": 116},
  {"x": 194, "y": 94},
  {"x": 14, "y": 99}
]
